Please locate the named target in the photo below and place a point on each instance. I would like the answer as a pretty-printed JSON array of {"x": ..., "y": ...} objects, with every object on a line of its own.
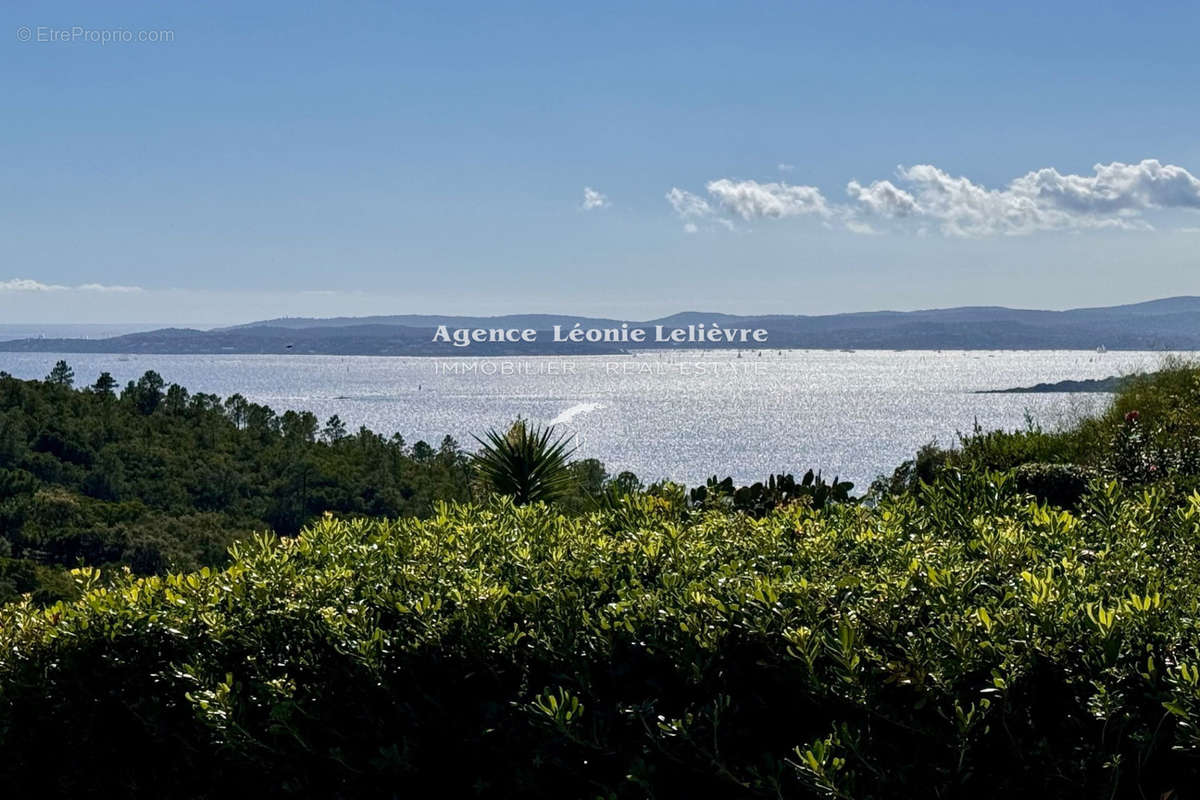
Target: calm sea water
[{"x": 662, "y": 414}]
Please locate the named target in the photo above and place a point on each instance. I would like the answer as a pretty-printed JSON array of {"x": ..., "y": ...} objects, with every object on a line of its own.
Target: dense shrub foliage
[
  {"x": 971, "y": 644},
  {"x": 1149, "y": 434},
  {"x": 1062, "y": 485}
]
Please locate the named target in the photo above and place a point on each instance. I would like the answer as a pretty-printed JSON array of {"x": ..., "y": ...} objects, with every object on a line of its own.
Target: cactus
[{"x": 759, "y": 499}]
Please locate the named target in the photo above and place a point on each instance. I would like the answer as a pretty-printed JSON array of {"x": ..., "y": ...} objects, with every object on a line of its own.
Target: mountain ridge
[{"x": 1171, "y": 323}]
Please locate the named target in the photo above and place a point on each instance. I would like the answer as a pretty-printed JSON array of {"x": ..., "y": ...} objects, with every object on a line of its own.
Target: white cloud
[
  {"x": 593, "y": 199},
  {"x": 965, "y": 208},
  {"x": 860, "y": 227},
  {"x": 924, "y": 197},
  {"x": 1114, "y": 197},
  {"x": 1114, "y": 188},
  {"x": 29, "y": 285},
  {"x": 688, "y": 205},
  {"x": 751, "y": 199},
  {"x": 692, "y": 208},
  {"x": 884, "y": 198},
  {"x": 748, "y": 200},
  {"x": 97, "y": 287}
]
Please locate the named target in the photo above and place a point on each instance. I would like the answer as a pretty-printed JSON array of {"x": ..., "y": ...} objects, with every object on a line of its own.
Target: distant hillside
[
  {"x": 1110, "y": 385},
  {"x": 367, "y": 340},
  {"x": 1167, "y": 324},
  {"x": 76, "y": 330},
  {"x": 426, "y": 321}
]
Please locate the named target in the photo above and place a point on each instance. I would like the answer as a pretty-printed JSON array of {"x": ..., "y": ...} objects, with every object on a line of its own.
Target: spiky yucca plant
[{"x": 528, "y": 462}]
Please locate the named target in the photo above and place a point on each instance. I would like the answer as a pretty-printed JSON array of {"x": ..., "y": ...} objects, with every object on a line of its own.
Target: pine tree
[
  {"x": 61, "y": 375},
  {"x": 105, "y": 385},
  {"x": 335, "y": 429}
]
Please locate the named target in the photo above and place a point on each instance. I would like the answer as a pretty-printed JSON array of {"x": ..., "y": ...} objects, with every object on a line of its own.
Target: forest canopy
[{"x": 155, "y": 477}]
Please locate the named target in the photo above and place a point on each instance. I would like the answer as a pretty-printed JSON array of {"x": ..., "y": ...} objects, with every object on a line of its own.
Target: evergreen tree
[
  {"x": 105, "y": 385},
  {"x": 61, "y": 375},
  {"x": 334, "y": 429}
]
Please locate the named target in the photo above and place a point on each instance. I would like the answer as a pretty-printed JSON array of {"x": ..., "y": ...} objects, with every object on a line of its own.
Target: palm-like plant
[{"x": 528, "y": 462}]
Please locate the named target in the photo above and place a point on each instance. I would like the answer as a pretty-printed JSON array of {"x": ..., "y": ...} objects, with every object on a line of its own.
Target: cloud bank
[
  {"x": 924, "y": 197},
  {"x": 752, "y": 200},
  {"x": 29, "y": 285}
]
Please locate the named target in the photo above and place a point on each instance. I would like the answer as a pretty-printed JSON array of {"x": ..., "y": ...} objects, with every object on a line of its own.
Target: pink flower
[{"x": 1132, "y": 416}]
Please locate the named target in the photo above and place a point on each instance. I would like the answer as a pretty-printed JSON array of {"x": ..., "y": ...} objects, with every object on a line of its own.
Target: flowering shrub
[{"x": 1156, "y": 429}]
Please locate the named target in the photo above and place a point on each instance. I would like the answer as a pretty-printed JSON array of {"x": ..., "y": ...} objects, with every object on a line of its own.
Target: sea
[{"x": 676, "y": 414}]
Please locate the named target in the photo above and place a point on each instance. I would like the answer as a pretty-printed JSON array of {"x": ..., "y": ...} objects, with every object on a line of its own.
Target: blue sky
[{"x": 354, "y": 158}]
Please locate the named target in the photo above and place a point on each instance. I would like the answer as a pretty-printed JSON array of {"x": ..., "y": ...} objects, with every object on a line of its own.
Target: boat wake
[{"x": 574, "y": 411}]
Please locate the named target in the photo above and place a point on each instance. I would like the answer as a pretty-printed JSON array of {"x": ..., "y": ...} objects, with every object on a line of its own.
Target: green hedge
[
  {"x": 1062, "y": 485},
  {"x": 963, "y": 644}
]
